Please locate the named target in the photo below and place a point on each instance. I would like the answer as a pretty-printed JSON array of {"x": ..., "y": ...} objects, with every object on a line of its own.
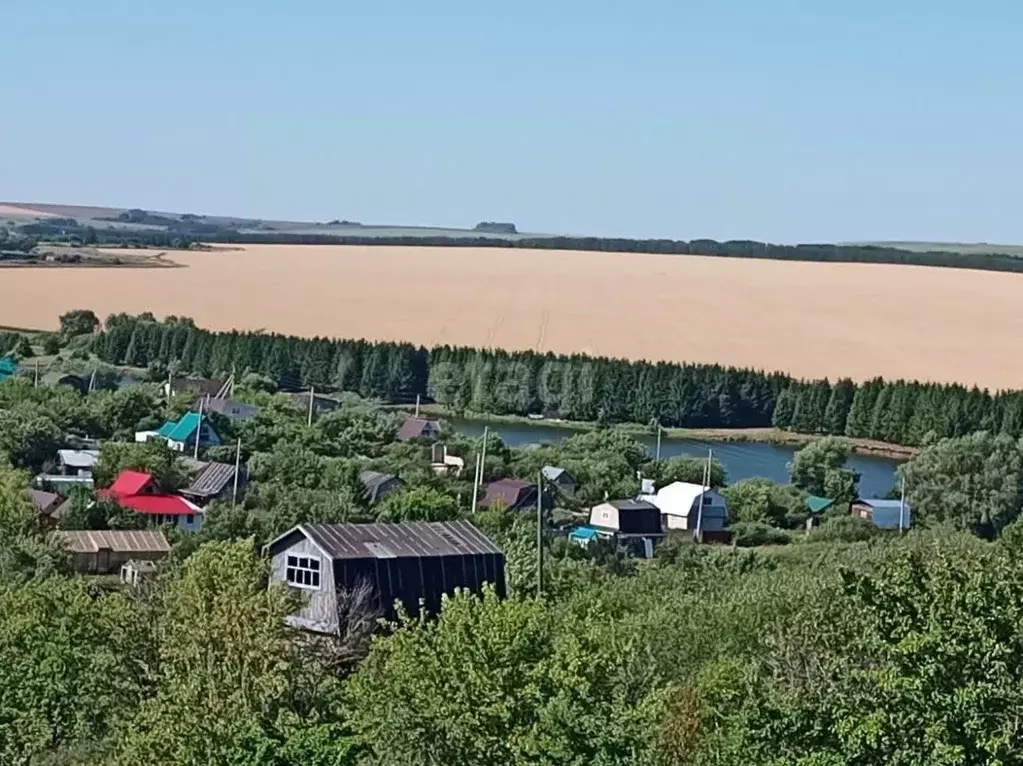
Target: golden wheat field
[{"x": 808, "y": 319}]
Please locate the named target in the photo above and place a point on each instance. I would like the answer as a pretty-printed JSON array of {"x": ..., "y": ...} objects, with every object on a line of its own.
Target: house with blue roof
[{"x": 180, "y": 435}]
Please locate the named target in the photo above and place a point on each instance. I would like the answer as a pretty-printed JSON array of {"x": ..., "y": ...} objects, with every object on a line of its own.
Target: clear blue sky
[{"x": 784, "y": 120}]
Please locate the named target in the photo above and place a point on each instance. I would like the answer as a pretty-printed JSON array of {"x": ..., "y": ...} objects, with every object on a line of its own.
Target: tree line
[
  {"x": 573, "y": 387},
  {"x": 191, "y": 230}
]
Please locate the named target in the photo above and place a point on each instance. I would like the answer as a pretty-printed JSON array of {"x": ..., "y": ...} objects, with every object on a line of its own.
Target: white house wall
[{"x": 319, "y": 612}]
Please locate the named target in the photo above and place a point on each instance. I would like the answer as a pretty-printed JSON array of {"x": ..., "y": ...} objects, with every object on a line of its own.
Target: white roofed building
[{"x": 680, "y": 505}]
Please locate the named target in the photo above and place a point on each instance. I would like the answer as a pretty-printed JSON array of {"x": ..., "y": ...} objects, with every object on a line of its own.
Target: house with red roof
[{"x": 138, "y": 492}]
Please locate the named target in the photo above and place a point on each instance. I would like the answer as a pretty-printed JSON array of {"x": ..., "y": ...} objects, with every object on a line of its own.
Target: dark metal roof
[
  {"x": 201, "y": 386},
  {"x": 211, "y": 480},
  {"x": 226, "y": 407},
  {"x": 509, "y": 493},
  {"x": 374, "y": 481},
  {"x": 416, "y": 539},
  {"x": 632, "y": 505},
  {"x": 44, "y": 501}
]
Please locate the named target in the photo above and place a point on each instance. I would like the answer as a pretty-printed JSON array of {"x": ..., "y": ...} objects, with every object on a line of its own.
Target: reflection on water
[{"x": 741, "y": 461}]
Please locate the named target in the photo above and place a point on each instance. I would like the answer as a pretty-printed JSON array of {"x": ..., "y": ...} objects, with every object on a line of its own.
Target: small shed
[
  {"x": 181, "y": 434},
  {"x": 560, "y": 478},
  {"x": 636, "y": 524},
  {"x": 77, "y": 462},
  {"x": 103, "y": 551},
  {"x": 201, "y": 387},
  {"x": 514, "y": 495},
  {"x": 229, "y": 408},
  {"x": 817, "y": 505},
  {"x": 210, "y": 481},
  {"x": 418, "y": 428},
  {"x": 45, "y": 502},
  {"x": 884, "y": 514},
  {"x": 321, "y": 404},
  {"x": 378, "y": 485},
  {"x": 414, "y": 563},
  {"x": 694, "y": 508},
  {"x": 134, "y": 572}
]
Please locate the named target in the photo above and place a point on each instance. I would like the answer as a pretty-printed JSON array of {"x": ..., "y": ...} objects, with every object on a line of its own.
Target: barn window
[{"x": 303, "y": 571}]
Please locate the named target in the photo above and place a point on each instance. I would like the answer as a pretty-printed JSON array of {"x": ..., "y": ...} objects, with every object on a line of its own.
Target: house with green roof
[
  {"x": 180, "y": 435},
  {"x": 817, "y": 505},
  {"x": 8, "y": 367}
]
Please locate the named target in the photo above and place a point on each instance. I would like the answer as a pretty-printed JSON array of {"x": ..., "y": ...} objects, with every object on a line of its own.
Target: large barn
[{"x": 410, "y": 562}]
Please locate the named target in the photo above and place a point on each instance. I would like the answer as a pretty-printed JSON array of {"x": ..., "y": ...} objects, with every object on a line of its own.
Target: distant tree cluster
[{"x": 576, "y": 387}]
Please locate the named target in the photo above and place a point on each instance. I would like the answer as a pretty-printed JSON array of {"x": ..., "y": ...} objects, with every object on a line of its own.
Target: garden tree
[
  {"x": 78, "y": 322},
  {"x": 972, "y": 482},
  {"x": 74, "y": 665},
  {"x": 686, "y": 468},
  {"x": 51, "y": 344},
  {"x": 28, "y": 436},
  {"x": 920, "y": 665},
  {"x": 25, "y": 553},
  {"x": 152, "y": 457},
  {"x": 819, "y": 468},
  {"x": 762, "y": 500},
  {"x": 417, "y": 504},
  {"x": 24, "y": 348},
  {"x": 233, "y": 686},
  {"x": 119, "y": 414},
  {"x": 518, "y": 691}
]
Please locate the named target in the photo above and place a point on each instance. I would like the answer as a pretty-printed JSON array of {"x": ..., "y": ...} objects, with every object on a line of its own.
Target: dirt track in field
[{"x": 808, "y": 319}]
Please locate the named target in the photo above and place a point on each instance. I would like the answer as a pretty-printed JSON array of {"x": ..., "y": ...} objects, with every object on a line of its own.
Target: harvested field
[
  {"x": 808, "y": 319},
  {"x": 17, "y": 213}
]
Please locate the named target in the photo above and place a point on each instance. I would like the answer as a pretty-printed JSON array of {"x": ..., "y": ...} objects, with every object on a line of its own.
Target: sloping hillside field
[{"x": 807, "y": 319}]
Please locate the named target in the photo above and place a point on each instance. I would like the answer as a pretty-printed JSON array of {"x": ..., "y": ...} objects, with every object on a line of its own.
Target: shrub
[
  {"x": 845, "y": 529},
  {"x": 750, "y": 534}
]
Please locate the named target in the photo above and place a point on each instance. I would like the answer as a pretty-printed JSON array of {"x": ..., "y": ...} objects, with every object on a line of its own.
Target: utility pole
[
  {"x": 483, "y": 457},
  {"x": 312, "y": 398},
  {"x": 658, "y": 455},
  {"x": 476, "y": 484},
  {"x": 170, "y": 381},
  {"x": 237, "y": 470},
  {"x": 92, "y": 380},
  {"x": 37, "y": 375},
  {"x": 198, "y": 432},
  {"x": 539, "y": 535},
  {"x": 703, "y": 492},
  {"x": 902, "y": 508},
  {"x": 417, "y": 406}
]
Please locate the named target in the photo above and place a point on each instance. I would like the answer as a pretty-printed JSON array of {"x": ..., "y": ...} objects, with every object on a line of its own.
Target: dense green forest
[
  {"x": 575, "y": 387},
  {"x": 837, "y": 645},
  {"x": 190, "y": 230}
]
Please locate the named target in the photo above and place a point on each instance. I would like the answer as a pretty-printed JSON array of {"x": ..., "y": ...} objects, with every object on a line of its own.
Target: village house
[
  {"x": 46, "y": 503},
  {"x": 634, "y": 524},
  {"x": 199, "y": 387},
  {"x": 180, "y": 435},
  {"x": 514, "y": 495},
  {"x": 228, "y": 408},
  {"x": 884, "y": 514},
  {"x": 210, "y": 481},
  {"x": 692, "y": 508},
  {"x": 321, "y": 404},
  {"x": 344, "y": 567},
  {"x": 418, "y": 428},
  {"x": 378, "y": 485},
  {"x": 138, "y": 492},
  {"x": 560, "y": 478},
  {"x": 77, "y": 462},
  {"x": 105, "y": 551}
]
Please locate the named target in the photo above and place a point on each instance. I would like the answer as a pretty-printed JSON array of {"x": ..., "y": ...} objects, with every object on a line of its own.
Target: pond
[{"x": 741, "y": 461}]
